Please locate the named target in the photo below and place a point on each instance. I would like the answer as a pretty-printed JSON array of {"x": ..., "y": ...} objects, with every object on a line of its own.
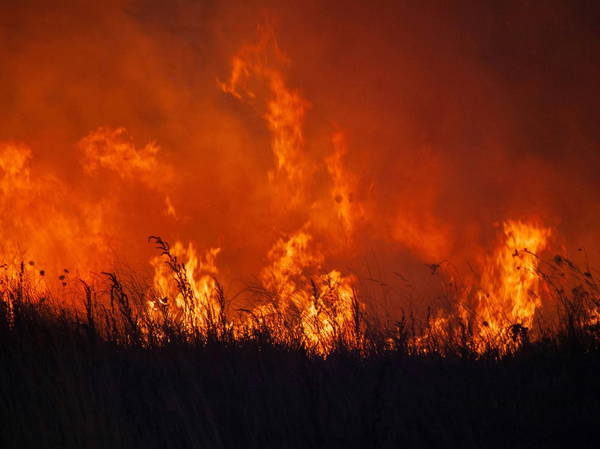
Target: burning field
[{"x": 319, "y": 224}]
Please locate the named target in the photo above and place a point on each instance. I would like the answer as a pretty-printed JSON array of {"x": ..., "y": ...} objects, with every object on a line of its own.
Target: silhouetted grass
[{"x": 109, "y": 377}]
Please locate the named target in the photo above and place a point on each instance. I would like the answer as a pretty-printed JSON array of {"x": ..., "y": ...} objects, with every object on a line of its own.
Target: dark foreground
[{"x": 63, "y": 387}]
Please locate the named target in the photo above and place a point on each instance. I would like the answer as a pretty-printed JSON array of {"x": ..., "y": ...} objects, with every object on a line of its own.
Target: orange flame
[
  {"x": 185, "y": 287},
  {"x": 510, "y": 284},
  {"x": 41, "y": 225},
  {"x": 328, "y": 311},
  {"x": 284, "y": 111},
  {"x": 113, "y": 149}
]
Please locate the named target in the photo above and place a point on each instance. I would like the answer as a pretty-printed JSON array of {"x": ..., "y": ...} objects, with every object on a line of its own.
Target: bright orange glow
[
  {"x": 349, "y": 210},
  {"x": 509, "y": 294},
  {"x": 113, "y": 149},
  {"x": 308, "y": 189},
  {"x": 323, "y": 305},
  {"x": 185, "y": 287},
  {"x": 283, "y": 110},
  {"x": 43, "y": 230}
]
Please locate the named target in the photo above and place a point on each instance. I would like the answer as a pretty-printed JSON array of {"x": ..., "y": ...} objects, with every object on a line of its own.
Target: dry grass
[{"x": 111, "y": 376}]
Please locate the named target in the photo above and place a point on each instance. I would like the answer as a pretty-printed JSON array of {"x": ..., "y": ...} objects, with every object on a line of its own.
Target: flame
[
  {"x": 345, "y": 185},
  {"x": 324, "y": 305},
  {"x": 41, "y": 226},
  {"x": 510, "y": 284},
  {"x": 113, "y": 149},
  {"x": 185, "y": 285},
  {"x": 186, "y": 289},
  {"x": 284, "y": 111},
  {"x": 56, "y": 232},
  {"x": 506, "y": 301}
]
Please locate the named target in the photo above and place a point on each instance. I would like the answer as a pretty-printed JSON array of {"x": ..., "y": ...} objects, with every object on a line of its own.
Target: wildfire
[{"x": 311, "y": 203}]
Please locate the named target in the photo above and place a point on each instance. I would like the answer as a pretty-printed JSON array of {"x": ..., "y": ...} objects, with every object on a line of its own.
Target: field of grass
[{"x": 69, "y": 381}]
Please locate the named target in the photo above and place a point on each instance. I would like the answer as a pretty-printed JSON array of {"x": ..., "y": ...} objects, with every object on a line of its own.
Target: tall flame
[
  {"x": 283, "y": 110},
  {"x": 510, "y": 284}
]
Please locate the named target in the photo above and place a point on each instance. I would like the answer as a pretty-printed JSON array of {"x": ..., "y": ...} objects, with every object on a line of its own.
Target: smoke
[{"x": 442, "y": 122}]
